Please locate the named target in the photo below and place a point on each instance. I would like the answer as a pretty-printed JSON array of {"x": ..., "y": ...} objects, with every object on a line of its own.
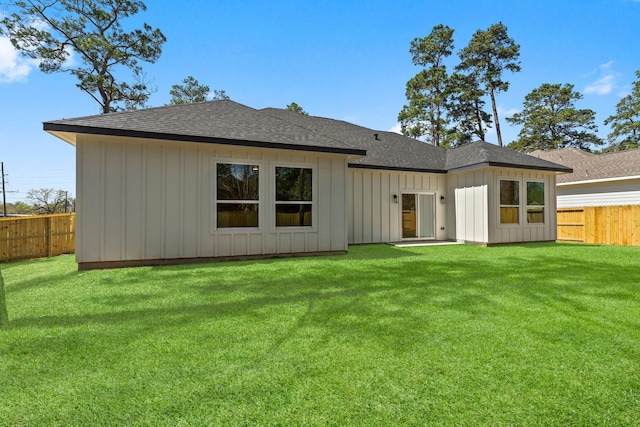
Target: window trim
[
  {"x": 313, "y": 202},
  {"x": 214, "y": 192},
  {"x": 523, "y": 206},
  {"x": 500, "y": 205}
]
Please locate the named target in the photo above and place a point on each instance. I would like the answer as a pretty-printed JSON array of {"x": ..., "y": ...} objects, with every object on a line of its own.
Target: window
[
  {"x": 509, "y": 201},
  {"x": 237, "y": 195},
  {"x": 535, "y": 202},
  {"x": 294, "y": 197}
]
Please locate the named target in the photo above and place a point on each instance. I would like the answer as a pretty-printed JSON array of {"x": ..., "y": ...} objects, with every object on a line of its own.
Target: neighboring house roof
[
  {"x": 589, "y": 167},
  {"x": 227, "y": 122}
]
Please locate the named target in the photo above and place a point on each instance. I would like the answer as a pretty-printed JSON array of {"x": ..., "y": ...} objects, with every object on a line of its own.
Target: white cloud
[
  {"x": 13, "y": 67},
  {"x": 506, "y": 112},
  {"x": 606, "y": 82},
  {"x": 396, "y": 129}
]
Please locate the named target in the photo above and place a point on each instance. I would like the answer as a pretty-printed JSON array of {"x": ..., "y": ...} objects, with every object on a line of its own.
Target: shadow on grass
[{"x": 377, "y": 291}]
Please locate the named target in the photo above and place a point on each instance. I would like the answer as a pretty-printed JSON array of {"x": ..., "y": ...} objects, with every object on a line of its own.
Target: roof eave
[
  {"x": 595, "y": 181},
  {"x": 58, "y": 128},
  {"x": 511, "y": 165},
  {"x": 395, "y": 168}
]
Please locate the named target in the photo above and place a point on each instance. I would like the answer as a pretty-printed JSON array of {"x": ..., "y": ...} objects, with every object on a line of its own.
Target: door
[{"x": 418, "y": 216}]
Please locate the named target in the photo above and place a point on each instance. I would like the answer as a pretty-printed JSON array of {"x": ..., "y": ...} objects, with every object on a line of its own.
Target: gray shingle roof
[
  {"x": 588, "y": 166},
  {"x": 390, "y": 150},
  {"x": 227, "y": 122},
  {"x": 215, "y": 122},
  {"x": 482, "y": 153}
]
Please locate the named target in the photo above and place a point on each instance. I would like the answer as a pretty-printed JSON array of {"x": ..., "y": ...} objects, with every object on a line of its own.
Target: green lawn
[{"x": 538, "y": 334}]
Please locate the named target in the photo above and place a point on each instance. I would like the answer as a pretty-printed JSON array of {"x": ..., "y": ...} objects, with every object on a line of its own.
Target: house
[
  {"x": 218, "y": 180},
  {"x": 600, "y": 201},
  {"x": 597, "y": 179}
]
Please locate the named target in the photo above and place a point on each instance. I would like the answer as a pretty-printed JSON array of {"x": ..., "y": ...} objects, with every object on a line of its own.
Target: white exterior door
[{"x": 418, "y": 216}]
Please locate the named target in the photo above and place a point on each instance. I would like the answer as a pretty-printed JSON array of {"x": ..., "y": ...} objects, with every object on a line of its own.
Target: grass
[{"x": 537, "y": 334}]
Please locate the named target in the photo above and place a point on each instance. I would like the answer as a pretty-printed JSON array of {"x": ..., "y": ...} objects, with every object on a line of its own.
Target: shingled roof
[
  {"x": 385, "y": 150},
  {"x": 222, "y": 122},
  {"x": 227, "y": 122},
  {"x": 482, "y": 153},
  {"x": 593, "y": 167}
]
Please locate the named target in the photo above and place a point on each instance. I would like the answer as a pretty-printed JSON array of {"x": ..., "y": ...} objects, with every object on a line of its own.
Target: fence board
[
  {"x": 37, "y": 236},
  {"x": 610, "y": 225}
]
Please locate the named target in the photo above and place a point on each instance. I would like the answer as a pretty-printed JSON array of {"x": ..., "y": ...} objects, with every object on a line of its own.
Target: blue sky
[{"x": 346, "y": 60}]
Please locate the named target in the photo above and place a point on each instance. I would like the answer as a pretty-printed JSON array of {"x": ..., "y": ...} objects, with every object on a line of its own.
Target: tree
[
  {"x": 189, "y": 92},
  {"x": 219, "y": 94},
  {"x": 625, "y": 123},
  {"x": 50, "y": 201},
  {"x": 296, "y": 109},
  {"x": 489, "y": 54},
  {"x": 429, "y": 90},
  {"x": 466, "y": 109},
  {"x": 550, "y": 120},
  {"x": 51, "y": 30}
]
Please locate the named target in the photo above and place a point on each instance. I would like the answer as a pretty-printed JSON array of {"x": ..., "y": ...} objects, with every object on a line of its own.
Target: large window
[
  {"x": 535, "y": 202},
  {"x": 294, "y": 197},
  {"x": 237, "y": 195},
  {"x": 509, "y": 201}
]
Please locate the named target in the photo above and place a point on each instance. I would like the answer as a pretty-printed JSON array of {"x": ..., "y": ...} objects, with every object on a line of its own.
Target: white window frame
[
  {"x": 215, "y": 201},
  {"x": 313, "y": 202},
  {"x": 500, "y": 205}
]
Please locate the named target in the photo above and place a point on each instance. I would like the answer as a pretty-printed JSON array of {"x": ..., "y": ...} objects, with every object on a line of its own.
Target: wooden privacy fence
[
  {"x": 37, "y": 236},
  {"x": 609, "y": 225}
]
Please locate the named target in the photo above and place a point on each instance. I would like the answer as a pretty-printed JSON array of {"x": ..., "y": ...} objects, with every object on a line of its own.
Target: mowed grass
[{"x": 536, "y": 334}]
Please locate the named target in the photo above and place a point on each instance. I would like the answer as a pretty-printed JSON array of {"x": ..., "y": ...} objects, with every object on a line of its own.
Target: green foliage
[
  {"x": 446, "y": 108},
  {"x": 50, "y": 201},
  {"x": 428, "y": 91},
  {"x": 625, "y": 123},
  {"x": 85, "y": 38},
  {"x": 296, "y": 109},
  {"x": 466, "y": 109},
  {"x": 536, "y": 334},
  {"x": 488, "y": 55},
  {"x": 219, "y": 95},
  {"x": 550, "y": 120},
  {"x": 188, "y": 92}
]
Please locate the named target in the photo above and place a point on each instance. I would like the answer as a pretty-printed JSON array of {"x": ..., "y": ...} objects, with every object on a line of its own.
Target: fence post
[{"x": 49, "y": 238}]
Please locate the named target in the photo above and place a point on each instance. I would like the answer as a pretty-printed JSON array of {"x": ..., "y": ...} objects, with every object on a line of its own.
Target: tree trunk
[
  {"x": 479, "y": 120},
  {"x": 495, "y": 116}
]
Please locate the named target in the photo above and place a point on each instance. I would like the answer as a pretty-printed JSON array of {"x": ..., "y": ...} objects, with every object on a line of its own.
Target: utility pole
[{"x": 4, "y": 193}]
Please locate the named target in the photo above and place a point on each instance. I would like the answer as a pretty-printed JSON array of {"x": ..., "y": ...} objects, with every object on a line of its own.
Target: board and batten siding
[
  {"x": 373, "y": 215},
  {"x": 477, "y": 206},
  {"x": 605, "y": 193},
  {"x": 155, "y": 200}
]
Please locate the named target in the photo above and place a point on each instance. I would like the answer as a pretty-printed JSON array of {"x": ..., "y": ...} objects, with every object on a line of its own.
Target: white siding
[
  {"x": 612, "y": 193},
  {"x": 477, "y": 210},
  {"x": 148, "y": 200},
  {"x": 374, "y": 217},
  {"x": 523, "y": 232},
  {"x": 470, "y": 205}
]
